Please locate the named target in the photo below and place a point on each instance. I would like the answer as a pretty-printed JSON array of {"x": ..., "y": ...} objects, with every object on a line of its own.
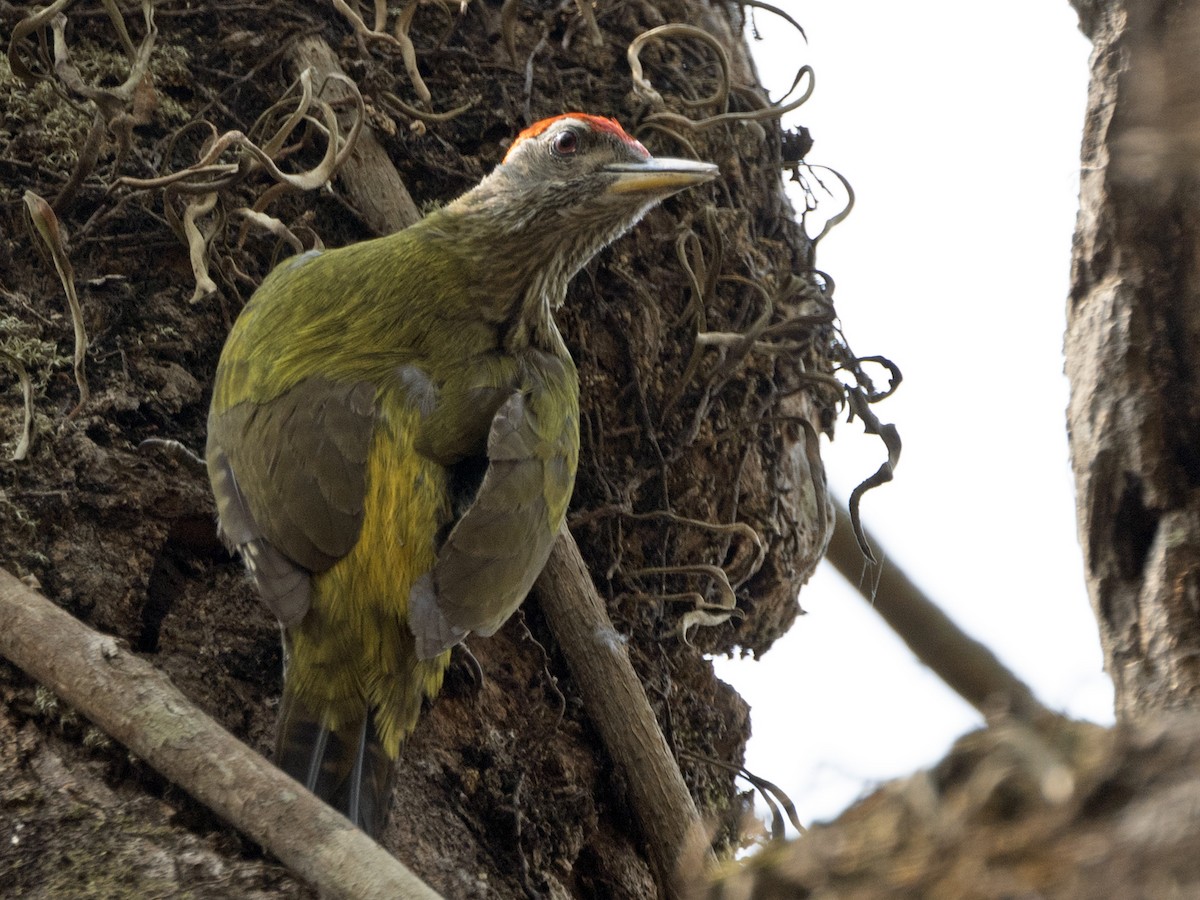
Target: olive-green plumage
[{"x": 393, "y": 439}]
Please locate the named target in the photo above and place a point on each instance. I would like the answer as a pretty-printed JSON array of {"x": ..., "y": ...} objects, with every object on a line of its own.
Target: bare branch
[
  {"x": 138, "y": 705},
  {"x": 966, "y": 665},
  {"x": 617, "y": 705}
]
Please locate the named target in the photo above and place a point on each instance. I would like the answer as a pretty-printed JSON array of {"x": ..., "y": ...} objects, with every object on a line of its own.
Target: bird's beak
[{"x": 663, "y": 176}]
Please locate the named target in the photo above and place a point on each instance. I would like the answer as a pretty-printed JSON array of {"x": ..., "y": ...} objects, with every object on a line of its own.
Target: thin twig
[{"x": 617, "y": 705}]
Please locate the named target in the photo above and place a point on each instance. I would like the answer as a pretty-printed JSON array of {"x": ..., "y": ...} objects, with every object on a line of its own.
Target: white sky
[{"x": 958, "y": 124}]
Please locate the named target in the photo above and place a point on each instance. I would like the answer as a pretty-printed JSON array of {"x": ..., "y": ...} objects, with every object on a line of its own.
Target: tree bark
[
  {"x": 699, "y": 497},
  {"x": 1133, "y": 346}
]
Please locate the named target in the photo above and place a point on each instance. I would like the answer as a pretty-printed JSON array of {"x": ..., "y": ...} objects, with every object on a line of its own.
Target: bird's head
[
  {"x": 571, "y": 184},
  {"x": 587, "y": 172}
]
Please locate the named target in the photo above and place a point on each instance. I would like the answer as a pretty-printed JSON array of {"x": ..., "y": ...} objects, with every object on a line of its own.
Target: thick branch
[
  {"x": 966, "y": 665},
  {"x": 139, "y": 706},
  {"x": 616, "y": 703},
  {"x": 371, "y": 182}
]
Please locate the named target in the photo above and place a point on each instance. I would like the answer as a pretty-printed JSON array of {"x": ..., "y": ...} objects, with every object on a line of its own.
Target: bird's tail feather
[{"x": 347, "y": 768}]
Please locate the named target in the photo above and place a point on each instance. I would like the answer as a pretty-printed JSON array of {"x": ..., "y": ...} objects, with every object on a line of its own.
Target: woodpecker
[{"x": 393, "y": 438}]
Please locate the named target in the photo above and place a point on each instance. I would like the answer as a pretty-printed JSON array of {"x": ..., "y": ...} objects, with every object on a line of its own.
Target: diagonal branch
[
  {"x": 370, "y": 180},
  {"x": 966, "y": 665},
  {"x": 616, "y": 703},
  {"x": 139, "y": 706}
]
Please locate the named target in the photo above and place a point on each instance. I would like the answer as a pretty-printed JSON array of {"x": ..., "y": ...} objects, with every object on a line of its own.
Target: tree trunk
[
  {"x": 1043, "y": 806},
  {"x": 702, "y": 343},
  {"x": 1133, "y": 348}
]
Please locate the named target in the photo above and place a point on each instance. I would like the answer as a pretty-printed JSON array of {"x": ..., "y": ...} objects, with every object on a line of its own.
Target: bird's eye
[{"x": 566, "y": 143}]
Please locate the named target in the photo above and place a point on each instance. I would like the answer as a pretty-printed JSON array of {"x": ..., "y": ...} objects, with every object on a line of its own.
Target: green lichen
[
  {"x": 41, "y": 127},
  {"x": 45, "y": 128},
  {"x": 20, "y": 340}
]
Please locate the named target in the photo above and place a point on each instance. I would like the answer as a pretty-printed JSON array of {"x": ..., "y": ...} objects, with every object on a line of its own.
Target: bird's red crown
[{"x": 597, "y": 123}]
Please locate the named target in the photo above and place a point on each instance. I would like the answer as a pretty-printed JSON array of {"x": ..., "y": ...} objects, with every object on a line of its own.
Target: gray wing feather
[
  {"x": 283, "y": 585},
  {"x": 289, "y": 476},
  {"x": 495, "y": 552},
  {"x": 433, "y": 633}
]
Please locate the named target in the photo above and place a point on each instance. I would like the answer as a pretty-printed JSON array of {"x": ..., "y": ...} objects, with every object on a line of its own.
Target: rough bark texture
[
  {"x": 1073, "y": 813},
  {"x": 1133, "y": 348},
  {"x": 1052, "y": 808},
  {"x": 504, "y": 791}
]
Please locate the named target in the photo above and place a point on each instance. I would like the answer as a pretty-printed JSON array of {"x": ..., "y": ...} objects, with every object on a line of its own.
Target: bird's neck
[{"x": 517, "y": 268}]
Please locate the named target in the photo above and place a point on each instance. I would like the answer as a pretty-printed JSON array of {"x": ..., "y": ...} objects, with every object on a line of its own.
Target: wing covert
[
  {"x": 289, "y": 477},
  {"x": 495, "y": 552}
]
